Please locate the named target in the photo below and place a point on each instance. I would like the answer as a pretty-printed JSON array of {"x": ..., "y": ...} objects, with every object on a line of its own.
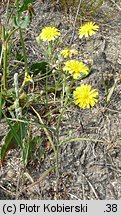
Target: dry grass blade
[
  {"x": 91, "y": 186},
  {"x": 119, "y": 8},
  {"x": 43, "y": 175},
  {"x": 78, "y": 9},
  {"x": 7, "y": 191},
  {"x": 81, "y": 139}
]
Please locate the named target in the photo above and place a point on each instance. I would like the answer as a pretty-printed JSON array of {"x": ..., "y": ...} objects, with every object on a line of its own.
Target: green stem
[
  {"x": 56, "y": 87},
  {"x": 5, "y": 67},
  {"x": 24, "y": 53},
  {"x": 50, "y": 51},
  {"x": 57, "y": 138},
  {"x": 25, "y": 61},
  {"x": 7, "y": 16},
  {"x": 17, "y": 7},
  {"x": 5, "y": 57},
  {"x": 58, "y": 141},
  {"x": 46, "y": 90},
  {"x": 91, "y": 49},
  {"x": 11, "y": 33},
  {"x": 4, "y": 78}
]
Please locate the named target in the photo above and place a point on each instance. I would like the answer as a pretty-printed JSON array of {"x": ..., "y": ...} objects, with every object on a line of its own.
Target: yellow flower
[
  {"x": 75, "y": 68},
  {"x": 68, "y": 52},
  {"x": 48, "y": 34},
  {"x": 88, "y": 29},
  {"x": 84, "y": 97},
  {"x": 29, "y": 78}
]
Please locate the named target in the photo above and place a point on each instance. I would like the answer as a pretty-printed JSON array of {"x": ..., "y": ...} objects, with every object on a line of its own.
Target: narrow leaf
[
  {"x": 110, "y": 92},
  {"x": 10, "y": 141}
]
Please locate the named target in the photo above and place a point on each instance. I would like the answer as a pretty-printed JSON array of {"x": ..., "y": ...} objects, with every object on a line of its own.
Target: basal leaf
[
  {"x": 14, "y": 138},
  {"x": 10, "y": 141}
]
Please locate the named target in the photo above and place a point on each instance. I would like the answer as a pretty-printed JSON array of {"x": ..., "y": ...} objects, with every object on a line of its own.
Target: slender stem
[
  {"x": 57, "y": 147},
  {"x": 58, "y": 125},
  {"x": 4, "y": 58},
  {"x": 5, "y": 67},
  {"x": 24, "y": 53},
  {"x": 23, "y": 49},
  {"x": 57, "y": 137},
  {"x": 0, "y": 104},
  {"x": 7, "y": 8},
  {"x": 46, "y": 104},
  {"x": 11, "y": 33},
  {"x": 74, "y": 27},
  {"x": 58, "y": 141},
  {"x": 50, "y": 51},
  {"x": 17, "y": 6},
  {"x": 81, "y": 139},
  {"x": 25, "y": 61},
  {"x": 91, "y": 50}
]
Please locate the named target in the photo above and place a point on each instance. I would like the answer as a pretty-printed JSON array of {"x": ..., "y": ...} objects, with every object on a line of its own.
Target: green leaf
[
  {"x": 14, "y": 137},
  {"x": 18, "y": 55},
  {"x": 15, "y": 23},
  {"x": 24, "y": 6},
  {"x": 26, "y": 152},
  {"x": 23, "y": 22},
  {"x": 40, "y": 67},
  {"x": 10, "y": 141}
]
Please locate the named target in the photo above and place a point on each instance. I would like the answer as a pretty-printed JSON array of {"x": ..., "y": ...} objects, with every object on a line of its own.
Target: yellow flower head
[
  {"x": 68, "y": 52},
  {"x": 29, "y": 78},
  {"x": 75, "y": 68},
  {"x": 84, "y": 97},
  {"x": 88, "y": 29},
  {"x": 48, "y": 34}
]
